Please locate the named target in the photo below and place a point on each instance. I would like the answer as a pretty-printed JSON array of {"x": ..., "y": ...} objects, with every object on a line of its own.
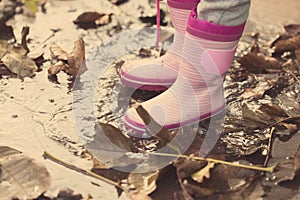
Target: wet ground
[{"x": 36, "y": 115}]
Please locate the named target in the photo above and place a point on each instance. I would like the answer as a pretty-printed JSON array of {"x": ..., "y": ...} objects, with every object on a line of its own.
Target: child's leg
[
  {"x": 160, "y": 74},
  {"x": 197, "y": 93},
  {"x": 224, "y": 12}
]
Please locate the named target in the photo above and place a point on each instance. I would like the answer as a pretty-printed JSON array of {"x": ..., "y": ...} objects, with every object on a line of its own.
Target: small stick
[
  {"x": 266, "y": 169},
  {"x": 47, "y": 155}
]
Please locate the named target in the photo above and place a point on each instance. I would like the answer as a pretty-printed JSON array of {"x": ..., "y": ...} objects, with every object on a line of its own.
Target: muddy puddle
[{"x": 37, "y": 115}]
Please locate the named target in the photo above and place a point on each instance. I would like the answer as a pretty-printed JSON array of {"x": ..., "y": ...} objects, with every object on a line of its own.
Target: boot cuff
[
  {"x": 212, "y": 31},
  {"x": 183, "y": 4}
]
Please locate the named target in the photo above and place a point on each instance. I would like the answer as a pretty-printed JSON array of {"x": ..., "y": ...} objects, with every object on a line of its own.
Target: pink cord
[{"x": 157, "y": 24}]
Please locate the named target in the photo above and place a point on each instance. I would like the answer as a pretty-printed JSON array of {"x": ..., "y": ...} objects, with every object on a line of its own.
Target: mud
[{"x": 37, "y": 115}]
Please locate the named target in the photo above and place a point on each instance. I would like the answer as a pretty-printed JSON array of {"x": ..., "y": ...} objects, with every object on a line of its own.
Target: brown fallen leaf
[
  {"x": 259, "y": 63},
  {"x": 253, "y": 119},
  {"x": 159, "y": 132},
  {"x": 76, "y": 59},
  {"x": 55, "y": 69},
  {"x": 289, "y": 44},
  {"x": 88, "y": 20},
  {"x": 117, "y": 138},
  {"x": 258, "y": 91},
  {"x": 19, "y": 64},
  {"x": 58, "y": 53},
  {"x": 21, "y": 176}
]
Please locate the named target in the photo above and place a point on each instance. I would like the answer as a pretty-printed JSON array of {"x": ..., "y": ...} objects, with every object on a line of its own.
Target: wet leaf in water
[
  {"x": 162, "y": 134},
  {"x": 116, "y": 136},
  {"x": 92, "y": 19},
  {"x": 19, "y": 64},
  {"x": 21, "y": 177},
  {"x": 285, "y": 155},
  {"x": 273, "y": 111},
  {"x": 203, "y": 173},
  {"x": 253, "y": 119},
  {"x": 6, "y": 32}
]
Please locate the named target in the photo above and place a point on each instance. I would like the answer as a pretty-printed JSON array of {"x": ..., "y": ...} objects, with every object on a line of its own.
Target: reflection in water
[{"x": 99, "y": 96}]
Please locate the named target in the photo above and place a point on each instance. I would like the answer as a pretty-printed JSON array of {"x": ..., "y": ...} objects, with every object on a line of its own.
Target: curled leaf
[
  {"x": 76, "y": 60},
  {"x": 58, "y": 53},
  {"x": 55, "y": 69}
]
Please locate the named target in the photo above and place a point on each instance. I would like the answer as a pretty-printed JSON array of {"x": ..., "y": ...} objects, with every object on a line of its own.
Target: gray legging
[{"x": 224, "y": 12}]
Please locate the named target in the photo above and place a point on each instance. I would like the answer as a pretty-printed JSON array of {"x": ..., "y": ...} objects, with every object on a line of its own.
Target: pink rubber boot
[
  {"x": 161, "y": 73},
  {"x": 197, "y": 93}
]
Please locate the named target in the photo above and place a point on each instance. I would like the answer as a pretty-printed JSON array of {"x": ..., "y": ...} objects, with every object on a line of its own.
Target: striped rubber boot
[
  {"x": 161, "y": 73},
  {"x": 197, "y": 93}
]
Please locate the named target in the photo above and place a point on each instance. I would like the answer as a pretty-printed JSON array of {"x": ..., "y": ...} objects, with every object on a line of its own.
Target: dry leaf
[
  {"x": 258, "y": 91},
  {"x": 258, "y": 63},
  {"x": 21, "y": 177},
  {"x": 55, "y": 69},
  {"x": 19, "y": 64},
  {"x": 76, "y": 60},
  {"x": 290, "y": 44},
  {"x": 92, "y": 19},
  {"x": 203, "y": 173},
  {"x": 58, "y": 53}
]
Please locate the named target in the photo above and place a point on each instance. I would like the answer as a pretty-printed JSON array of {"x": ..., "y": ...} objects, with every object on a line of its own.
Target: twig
[
  {"x": 282, "y": 120},
  {"x": 47, "y": 155},
  {"x": 266, "y": 169},
  {"x": 269, "y": 147}
]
